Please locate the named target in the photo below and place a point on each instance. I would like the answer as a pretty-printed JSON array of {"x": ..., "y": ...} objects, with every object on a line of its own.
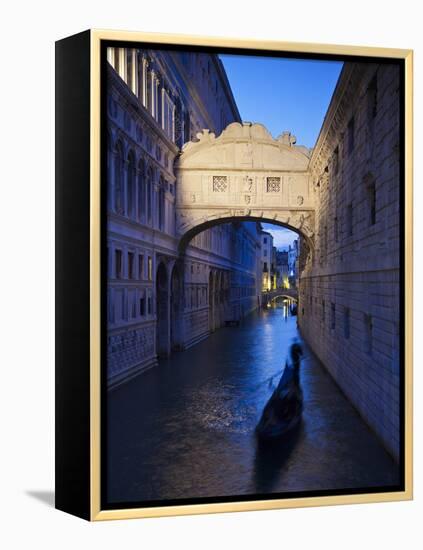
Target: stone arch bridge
[
  {"x": 291, "y": 293},
  {"x": 244, "y": 174}
]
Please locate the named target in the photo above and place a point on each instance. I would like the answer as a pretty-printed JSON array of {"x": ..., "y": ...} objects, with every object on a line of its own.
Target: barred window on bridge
[
  {"x": 220, "y": 184},
  {"x": 273, "y": 185}
]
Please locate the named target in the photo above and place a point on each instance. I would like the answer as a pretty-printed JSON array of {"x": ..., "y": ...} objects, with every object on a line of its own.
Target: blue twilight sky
[{"x": 283, "y": 94}]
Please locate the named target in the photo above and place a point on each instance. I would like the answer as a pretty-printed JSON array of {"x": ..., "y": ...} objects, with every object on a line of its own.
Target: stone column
[
  {"x": 162, "y": 99},
  {"x": 172, "y": 137},
  {"x": 110, "y": 56},
  {"x": 159, "y": 87},
  {"x": 156, "y": 98},
  {"x": 122, "y": 63},
  {"x": 136, "y": 194},
  {"x": 134, "y": 75},
  {"x": 139, "y": 76},
  {"x": 153, "y": 93},
  {"x": 144, "y": 81}
]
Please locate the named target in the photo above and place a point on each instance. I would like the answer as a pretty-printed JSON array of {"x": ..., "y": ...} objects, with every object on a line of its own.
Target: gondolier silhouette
[{"x": 284, "y": 409}]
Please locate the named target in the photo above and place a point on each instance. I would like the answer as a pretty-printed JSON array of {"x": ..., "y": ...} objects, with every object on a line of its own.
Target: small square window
[
  {"x": 220, "y": 184},
  {"x": 273, "y": 185}
]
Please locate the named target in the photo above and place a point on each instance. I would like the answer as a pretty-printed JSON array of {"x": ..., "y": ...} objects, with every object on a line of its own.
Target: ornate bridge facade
[{"x": 244, "y": 174}]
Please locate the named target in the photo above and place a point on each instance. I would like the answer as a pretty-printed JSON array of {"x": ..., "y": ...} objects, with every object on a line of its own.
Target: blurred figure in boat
[{"x": 283, "y": 411}]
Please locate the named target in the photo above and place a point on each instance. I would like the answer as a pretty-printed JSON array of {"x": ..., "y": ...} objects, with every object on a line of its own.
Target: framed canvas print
[{"x": 234, "y": 282}]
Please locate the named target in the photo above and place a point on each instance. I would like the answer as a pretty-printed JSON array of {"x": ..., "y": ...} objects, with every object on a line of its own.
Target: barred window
[
  {"x": 273, "y": 185},
  {"x": 220, "y": 183},
  {"x": 346, "y": 322},
  {"x": 332, "y": 316},
  {"x": 368, "y": 334}
]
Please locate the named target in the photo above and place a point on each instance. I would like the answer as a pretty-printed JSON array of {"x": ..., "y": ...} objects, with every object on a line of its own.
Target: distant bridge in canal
[{"x": 271, "y": 295}]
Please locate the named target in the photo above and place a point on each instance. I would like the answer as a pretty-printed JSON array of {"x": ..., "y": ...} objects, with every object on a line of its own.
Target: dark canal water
[{"x": 186, "y": 428}]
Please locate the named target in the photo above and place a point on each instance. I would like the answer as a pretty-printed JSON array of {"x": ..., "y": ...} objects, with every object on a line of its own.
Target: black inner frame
[{"x": 105, "y": 505}]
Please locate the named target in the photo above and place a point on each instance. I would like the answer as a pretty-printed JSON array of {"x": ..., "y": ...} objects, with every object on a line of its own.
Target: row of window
[
  {"x": 371, "y": 196},
  {"x": 132, "y": 304},
  {"x": 346, "y": 320},
  {"x": 146, "y": 83},
  {"x": 224, "y": 240},
  {"x": 220, "y": 184},
  {"x": 196, "y": 297},
  {"x": 243, "y": 291},
  {"x": 266, "y": 269},
  {"x": 153, "y": 92},
  {"x": 131, "y": 189},
  {"x": 371, "y": 113},
  {"x": 126, "y": 305},
  {"x": 131, "y": 265}
]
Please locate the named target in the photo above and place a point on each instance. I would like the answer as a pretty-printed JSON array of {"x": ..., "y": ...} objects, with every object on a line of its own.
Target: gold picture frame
[{"x": 87, "y": 502}]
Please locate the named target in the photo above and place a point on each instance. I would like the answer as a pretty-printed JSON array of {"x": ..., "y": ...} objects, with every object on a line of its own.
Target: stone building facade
[
  {"x": 267, "y": 260},
  {"x": 293, "y": 263},
  {"x": 282, "y": 269},
  {"x": 349, "y": 308},
  {"x": 158, "y": 300}
]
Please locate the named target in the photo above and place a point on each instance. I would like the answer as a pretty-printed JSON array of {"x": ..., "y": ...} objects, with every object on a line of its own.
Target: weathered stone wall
[
  {"x": 141, "y": 194},
  {"x": 349, "y": 309}
]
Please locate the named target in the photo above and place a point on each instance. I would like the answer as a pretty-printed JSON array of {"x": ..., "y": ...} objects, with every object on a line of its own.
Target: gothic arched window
[
  {"x": 109, "y": 171},
  {"x": 162, "y": 205},
  {"x": 131, "y": 185},
  {"x": 141, "y": 190},
  {"x": 118, "y": 194},
  {"x": 149, "y": 193}
]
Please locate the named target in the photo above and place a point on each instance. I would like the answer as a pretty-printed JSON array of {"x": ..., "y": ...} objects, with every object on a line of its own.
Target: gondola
[{"x": 283, "y": 411}]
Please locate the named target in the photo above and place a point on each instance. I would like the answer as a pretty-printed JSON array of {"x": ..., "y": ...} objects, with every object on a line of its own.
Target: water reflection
[
  {"x": 270, "y": 459},
  {"x": 186, "y": 428}
]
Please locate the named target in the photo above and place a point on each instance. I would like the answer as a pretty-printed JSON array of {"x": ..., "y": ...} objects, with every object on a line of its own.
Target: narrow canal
[{"x": 186, "y": 428}]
